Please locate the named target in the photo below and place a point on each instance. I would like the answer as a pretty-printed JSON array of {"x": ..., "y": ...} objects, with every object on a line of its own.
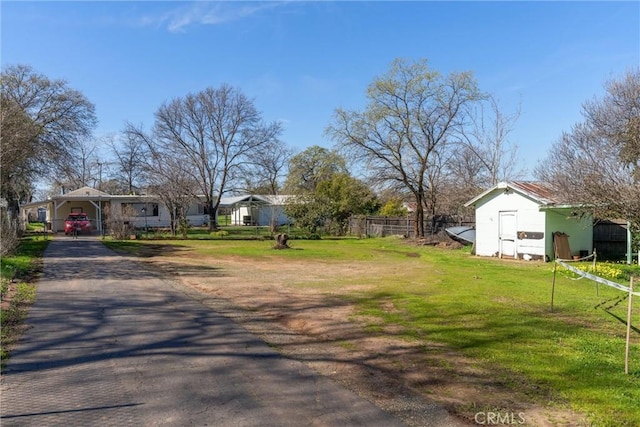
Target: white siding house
[
  {"x": 56, "y": 209},
  {"x": 518, "y": 219},
  {"x": 147, "y": 211}
]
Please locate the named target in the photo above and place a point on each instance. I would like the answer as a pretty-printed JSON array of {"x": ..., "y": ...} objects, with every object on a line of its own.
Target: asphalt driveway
[{"x": 113, "y": 343}]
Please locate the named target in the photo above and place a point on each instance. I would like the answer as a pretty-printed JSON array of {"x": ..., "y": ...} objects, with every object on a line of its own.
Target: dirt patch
[
  {"x": 419, "y": 381},
  {"x": 8, "y": 297}
]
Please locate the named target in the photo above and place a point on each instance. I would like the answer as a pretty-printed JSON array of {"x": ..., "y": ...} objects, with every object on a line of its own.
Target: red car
[{"x": 78, "y": 221}]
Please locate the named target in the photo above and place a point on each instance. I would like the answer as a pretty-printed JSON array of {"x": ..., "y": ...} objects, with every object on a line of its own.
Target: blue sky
[{"x": 299, "y": 61}]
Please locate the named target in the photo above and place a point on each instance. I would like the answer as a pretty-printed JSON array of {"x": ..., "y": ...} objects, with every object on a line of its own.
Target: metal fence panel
[{"x": 405, "y": 226}]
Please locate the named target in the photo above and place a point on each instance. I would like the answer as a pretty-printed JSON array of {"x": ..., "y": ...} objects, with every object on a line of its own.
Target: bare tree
[
  {"x": 265, "y": 167},
  {"x": 170, "y": 178},
  {"x": 129, "y": 160},
  {"x": 117, "y": 220},
  {"x": 461, "y": 182},
  {"x": 597, "y": 163},
  {"x": 48, "y": 121},
  {"x": 174, "y": 189},
  {"x": 82, "y": 167},
  {"x": 488, "y": 140},
  {"x": 213, "y": 131},
  {"x": 413, "y": 115},
  {"x": 616, "y": 118},
  {"x": 485, "y": 156},
  {"x": 438, "y": 183}
]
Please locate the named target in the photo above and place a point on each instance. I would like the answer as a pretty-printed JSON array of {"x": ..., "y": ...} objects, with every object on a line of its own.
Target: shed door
[{"x": 507, "y": 234}]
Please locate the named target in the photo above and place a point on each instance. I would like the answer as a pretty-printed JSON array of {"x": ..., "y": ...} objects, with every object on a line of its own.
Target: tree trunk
[
  {"x": 213, "y": 214},
  {"x": 281, "y": 241},
  {"x": 173, "y": 222},
  {"x": 419, "y": 215}
]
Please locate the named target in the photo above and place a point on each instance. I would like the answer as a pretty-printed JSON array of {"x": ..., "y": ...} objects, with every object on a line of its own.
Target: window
[
  {"x": 141, "y": 209},
  {"x": 196, "y": 209}
]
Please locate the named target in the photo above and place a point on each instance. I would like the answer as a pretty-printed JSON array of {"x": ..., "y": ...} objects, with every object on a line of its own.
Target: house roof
[
  {"x": 250, "y": 198},
  {"x": 92, "y": 194},
  {"x": 540, "y": 192},
  {"x": 233, "y": 200},
  {"x": 82, "y": 192}
]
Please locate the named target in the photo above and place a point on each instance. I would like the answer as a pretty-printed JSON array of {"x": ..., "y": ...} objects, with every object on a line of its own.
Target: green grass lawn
[
  {"x": 21, "y": 264},
  {"x": 493, "y": 310},
  {"x": 22, "y": 267},
  {"x": 228, "y": 232}
]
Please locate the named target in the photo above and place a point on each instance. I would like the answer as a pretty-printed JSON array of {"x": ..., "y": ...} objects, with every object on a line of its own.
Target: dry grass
[{"x": 310, "y": 309}]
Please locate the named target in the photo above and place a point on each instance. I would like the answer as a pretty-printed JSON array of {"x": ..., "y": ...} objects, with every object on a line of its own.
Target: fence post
[
  {"x": 553, "y": 283},
  {"x": 409, "y": 225},
  {"x": 595, "y": 256},
  {"x": 626, "y": 351}
]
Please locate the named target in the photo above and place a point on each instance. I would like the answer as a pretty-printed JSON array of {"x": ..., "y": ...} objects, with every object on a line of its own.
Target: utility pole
[{"x": 100, "y": 176}]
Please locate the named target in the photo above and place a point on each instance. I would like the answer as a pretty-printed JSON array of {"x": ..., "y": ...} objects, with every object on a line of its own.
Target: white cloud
[{"x": 205, "y": 13}]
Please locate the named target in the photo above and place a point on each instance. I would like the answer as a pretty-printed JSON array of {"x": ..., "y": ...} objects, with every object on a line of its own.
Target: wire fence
[{"x": 378, "y": 226}]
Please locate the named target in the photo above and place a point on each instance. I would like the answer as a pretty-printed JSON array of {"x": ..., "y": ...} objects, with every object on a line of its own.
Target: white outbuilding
[{"x": 519, "y": 219}]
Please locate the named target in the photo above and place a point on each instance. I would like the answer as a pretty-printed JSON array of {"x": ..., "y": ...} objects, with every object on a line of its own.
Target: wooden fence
[{"x": 610, "y": 239}]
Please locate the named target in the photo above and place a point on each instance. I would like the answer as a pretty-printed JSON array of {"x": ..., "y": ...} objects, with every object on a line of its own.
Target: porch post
[{"x": 56, "y": 206}]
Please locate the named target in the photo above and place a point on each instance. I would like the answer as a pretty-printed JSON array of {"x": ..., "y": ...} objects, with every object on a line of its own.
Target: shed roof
[{"x": 540, "y": 192}]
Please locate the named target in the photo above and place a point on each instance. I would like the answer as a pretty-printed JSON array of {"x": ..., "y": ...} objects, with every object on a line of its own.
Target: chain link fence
[{"x": 377, "y": 226}]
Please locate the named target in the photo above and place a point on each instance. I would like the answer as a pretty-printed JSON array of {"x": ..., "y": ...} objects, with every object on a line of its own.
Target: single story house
[
  {"x": 56, "y": 209},
  {"x": 147, "y": 211},
  {"x": 256, "y": 209},
  {"x": 518, "y": 220}
]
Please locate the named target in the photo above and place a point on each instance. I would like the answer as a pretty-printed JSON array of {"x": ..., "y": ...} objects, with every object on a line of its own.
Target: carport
[{"x": 85, "y": 199}]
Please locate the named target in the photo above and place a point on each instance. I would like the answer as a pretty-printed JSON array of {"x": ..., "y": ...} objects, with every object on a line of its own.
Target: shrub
[
  {"x": 607, "y": 270},
  {"x": 118, "y": 222},
  {"x": 9, "y": 235},
  {"x": 4, "y": 287}
]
